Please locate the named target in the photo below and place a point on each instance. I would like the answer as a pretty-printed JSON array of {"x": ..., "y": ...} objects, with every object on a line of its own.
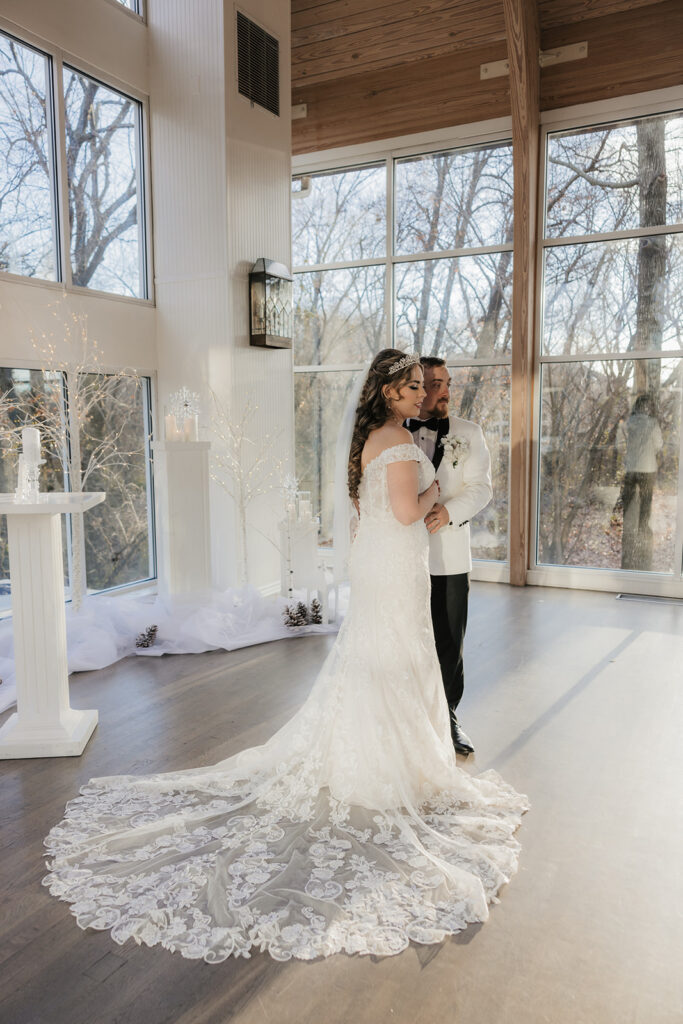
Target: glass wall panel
[
  {"x": 319, "y": 402},
  {"x": 119, "y": 534},
  {"x": 118, "y": 540},
  {"x": 615, "y": 177},
  {"x": 28, "y": 242},
  {"x": 453, "y": 200},
  {"x": 339, "y": 217},
  {"x": 609, "y": 464},
  {"x": 339, "y": 315},
  {"x": 614, "y": 296},
  {"x": 102, "y": 144},
  {"x": 482, "y": 394},
  {"x": 455, "y": 307}
]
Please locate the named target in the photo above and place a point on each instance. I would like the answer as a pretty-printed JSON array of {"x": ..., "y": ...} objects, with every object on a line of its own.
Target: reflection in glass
[
  {"x": 615, "y": 177},
  {"x": 339, "y": 217},
  {"x": 339, "y": 315},
  {"x": 319, "y": 402},
  {"x": 27, "y": 235},
  {"x": 614, "y": 296},
  {"x": 453, "y": 200},
  {"x": 482, "y": 394},
  {"x": 102, "y": 133},
  {"x": 608, "y": 463},
  {"x": 455, "y": 307}
]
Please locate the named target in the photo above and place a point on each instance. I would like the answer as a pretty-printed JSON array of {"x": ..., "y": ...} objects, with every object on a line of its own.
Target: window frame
[
  {"x": 138, "y": 12},
  {"x": 388, "y": 152},
  {"x": 58, "y": 59},
  {"x": 595, "y": 115}
]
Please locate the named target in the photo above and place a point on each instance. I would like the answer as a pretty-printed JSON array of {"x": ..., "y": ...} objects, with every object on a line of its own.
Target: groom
[{"x": 461, "y": 459}]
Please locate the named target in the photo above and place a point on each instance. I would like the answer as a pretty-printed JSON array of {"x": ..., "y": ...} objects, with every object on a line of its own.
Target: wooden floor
[{"x": 575, "y": 697}]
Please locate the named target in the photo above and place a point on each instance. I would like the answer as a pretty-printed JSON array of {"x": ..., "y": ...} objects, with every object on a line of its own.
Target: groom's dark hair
[{"x": 432, "y": 361}]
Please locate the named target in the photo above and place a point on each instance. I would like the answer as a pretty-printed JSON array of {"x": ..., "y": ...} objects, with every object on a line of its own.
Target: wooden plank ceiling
[{"x": 372, "y": 60}]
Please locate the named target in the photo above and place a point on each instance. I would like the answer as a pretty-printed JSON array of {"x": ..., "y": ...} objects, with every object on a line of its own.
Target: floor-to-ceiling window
[
  {"x": 609, "y": 488},
  {"x": 412, "y": 251}
]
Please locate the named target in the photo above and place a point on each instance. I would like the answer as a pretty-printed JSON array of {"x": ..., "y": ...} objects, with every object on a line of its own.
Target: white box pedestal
[
  {"x": 183, "y": 523},
  {"x": 44, "y": 725}
]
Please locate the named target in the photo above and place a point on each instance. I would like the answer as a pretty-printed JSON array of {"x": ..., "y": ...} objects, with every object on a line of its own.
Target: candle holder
[
  {"x": 28, "y": 480},
  {"x": 181, "y": 421}
]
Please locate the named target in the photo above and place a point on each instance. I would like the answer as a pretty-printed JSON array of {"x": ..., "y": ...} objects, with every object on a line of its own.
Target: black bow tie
[{"x": 430, "y": 424}]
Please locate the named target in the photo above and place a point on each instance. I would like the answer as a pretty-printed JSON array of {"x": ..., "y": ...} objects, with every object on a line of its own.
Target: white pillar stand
[
  {"x": 44, "y": 725},
  {"x": 183, "y": 523}
]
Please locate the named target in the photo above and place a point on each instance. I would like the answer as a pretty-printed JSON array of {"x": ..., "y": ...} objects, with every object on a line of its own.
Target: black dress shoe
[{"x": 461, "y": 741}]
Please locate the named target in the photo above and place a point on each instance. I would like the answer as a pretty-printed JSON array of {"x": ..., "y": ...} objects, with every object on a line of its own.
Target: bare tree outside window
[
  {"x": 610, "y": 428},
  {"x": 28, "y": 240},
  {"x": 95, "y": 436},
  {"x": 102, "y": 142},
  {"x": 339, "y": 217}
]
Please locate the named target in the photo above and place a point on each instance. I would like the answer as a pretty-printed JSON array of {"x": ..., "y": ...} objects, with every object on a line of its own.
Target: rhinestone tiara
[{"x": 405, "y": 361}]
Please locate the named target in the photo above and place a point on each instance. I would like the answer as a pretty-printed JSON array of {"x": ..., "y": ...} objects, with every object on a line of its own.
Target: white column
[
  {"x": 44, "y": 725},
  {"x": 183, "y": 522}
]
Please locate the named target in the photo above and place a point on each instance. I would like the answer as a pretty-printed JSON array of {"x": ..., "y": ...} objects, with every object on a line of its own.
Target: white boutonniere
[{"x": 454, "y": 448}]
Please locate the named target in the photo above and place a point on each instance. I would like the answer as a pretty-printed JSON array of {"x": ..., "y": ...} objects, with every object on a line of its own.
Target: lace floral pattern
[{"x": 350, "y": 830}]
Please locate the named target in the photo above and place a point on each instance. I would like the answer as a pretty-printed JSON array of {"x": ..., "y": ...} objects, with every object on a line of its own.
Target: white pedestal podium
[
  {"x": 44, "y": 724},
  {"x": 183, "y": 522}
]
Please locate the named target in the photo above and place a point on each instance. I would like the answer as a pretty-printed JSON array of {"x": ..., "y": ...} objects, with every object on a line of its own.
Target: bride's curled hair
[{"x": 371, "y": 411}]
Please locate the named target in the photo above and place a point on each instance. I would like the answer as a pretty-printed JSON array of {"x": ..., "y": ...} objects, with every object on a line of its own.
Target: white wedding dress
[{"x": 350, "y": 829}]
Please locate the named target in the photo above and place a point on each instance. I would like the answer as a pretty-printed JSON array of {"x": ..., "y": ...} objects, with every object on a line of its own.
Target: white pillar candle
[
  {"x": 191, "y": 428},
  {"x": 171, "y": 427},
  {"x": 30, "y": 441},
  {"x": 305, "y": 509}
]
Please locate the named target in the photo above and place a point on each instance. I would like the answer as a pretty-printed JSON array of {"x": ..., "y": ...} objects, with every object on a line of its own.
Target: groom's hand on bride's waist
[{"x": 436, "y": 518}]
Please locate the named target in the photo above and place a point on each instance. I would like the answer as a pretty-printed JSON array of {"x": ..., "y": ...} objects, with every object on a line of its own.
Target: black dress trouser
[{"x": 449, "y": 618}]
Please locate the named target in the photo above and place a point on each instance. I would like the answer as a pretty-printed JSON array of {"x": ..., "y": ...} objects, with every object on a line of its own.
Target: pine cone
[
  {"x": 147, "y": 637},
  {"x": 315, "y": 616}
]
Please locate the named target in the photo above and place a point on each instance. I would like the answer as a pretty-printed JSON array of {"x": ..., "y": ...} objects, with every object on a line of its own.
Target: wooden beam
[{"x": 521, "y": 23}]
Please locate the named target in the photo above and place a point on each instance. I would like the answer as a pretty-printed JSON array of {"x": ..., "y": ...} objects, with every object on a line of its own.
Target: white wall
[{"x": 258, "y": 157}]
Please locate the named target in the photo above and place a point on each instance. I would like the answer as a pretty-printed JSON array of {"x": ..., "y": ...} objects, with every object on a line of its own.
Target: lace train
[{"x": 211, "y": 876}]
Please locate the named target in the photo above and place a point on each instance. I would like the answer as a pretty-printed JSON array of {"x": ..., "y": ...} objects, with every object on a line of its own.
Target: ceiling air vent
[{"x": 258, "y": 65}]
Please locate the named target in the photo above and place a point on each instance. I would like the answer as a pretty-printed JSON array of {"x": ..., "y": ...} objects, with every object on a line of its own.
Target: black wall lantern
[{"x": 270, "y": 302}]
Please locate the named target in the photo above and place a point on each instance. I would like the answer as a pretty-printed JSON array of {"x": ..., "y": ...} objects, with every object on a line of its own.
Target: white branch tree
[{"x": 244, "y": 468}]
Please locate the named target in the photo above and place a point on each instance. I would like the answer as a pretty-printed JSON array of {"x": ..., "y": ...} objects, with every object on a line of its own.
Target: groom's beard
[{"x": 439, "y": 412}]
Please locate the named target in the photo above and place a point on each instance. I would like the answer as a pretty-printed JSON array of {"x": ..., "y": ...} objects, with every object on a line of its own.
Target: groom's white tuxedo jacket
[{"x": 465, "y": 489}]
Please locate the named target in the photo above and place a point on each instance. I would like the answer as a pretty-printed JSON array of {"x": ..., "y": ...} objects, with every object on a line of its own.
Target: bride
[{"x": 351, "y": 829}]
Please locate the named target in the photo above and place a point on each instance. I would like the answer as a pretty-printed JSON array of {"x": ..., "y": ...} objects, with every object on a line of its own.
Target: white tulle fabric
[{"x": 350, "y": 829}]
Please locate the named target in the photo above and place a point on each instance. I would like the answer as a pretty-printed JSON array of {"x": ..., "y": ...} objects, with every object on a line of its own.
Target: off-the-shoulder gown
[{"x": 351, "y": 829}]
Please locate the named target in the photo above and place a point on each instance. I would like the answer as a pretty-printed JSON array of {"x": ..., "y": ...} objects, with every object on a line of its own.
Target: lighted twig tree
[
  {"x": 242, "y": 467},
  {"x": 68, "y": 411}
]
